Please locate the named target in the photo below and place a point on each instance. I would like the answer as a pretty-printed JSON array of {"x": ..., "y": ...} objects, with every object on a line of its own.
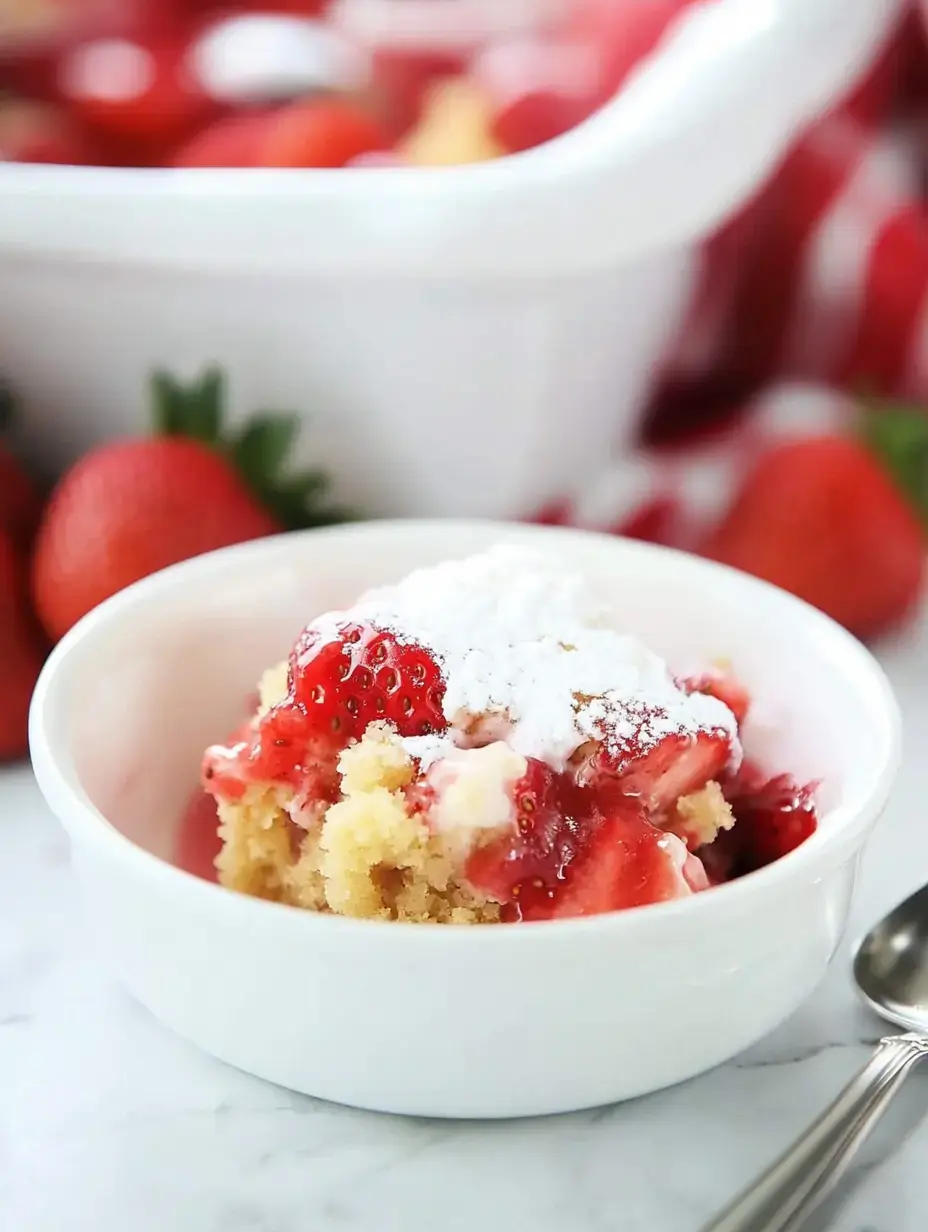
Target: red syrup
[
  {"x": 773, "y": 816},
  {"x": 577, "y": 851}
]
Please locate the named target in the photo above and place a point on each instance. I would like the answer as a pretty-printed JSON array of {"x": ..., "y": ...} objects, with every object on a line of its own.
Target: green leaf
[
  {"x": 297, "y": 502},
  {"x": 259, "y": 451},
  {"x": 193, "y": 410},
  {"x": 263, "y": 446},
  {"x": 166, "y": 404},
  {"x": 898, "y": 435},
  {"x": 204, "y": 409}
]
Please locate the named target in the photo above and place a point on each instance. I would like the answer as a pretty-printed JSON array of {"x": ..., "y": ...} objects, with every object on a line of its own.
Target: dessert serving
[{"x": 481, "y": 743}]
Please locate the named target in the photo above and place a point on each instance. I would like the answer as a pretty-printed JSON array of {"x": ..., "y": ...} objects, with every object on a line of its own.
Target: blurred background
[{"x": 653, "y": 267}]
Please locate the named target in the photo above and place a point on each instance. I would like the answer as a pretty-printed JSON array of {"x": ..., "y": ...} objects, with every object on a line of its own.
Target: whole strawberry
[
  {"x": 835, "y": 520},
  {"x": 21, "y": 650},
  {"x": 132, "y": 507}
]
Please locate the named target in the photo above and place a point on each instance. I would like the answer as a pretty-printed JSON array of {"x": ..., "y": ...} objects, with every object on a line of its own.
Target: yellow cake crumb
[
  {"x": 371, "y": 856},
  {"x": 698, "y": 818},
  {"x": 377, "y": 760},
  {"x": 257, "y": 846}
]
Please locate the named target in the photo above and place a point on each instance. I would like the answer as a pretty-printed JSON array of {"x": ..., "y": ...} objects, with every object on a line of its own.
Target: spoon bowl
[{"x": 891, "y": 964}]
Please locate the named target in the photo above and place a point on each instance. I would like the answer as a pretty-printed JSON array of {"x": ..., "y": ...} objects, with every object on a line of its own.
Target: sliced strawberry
[
  {"x": 340, "y": 680},
  {"x": 679, "y": 765},
  {"x": 626, "y": 863},
  {"x": 724, "y": 688},
  {"x": 358, "y": 674},
  {"x": 530, "y": 863},
  {"x": 577, "y": 851}
]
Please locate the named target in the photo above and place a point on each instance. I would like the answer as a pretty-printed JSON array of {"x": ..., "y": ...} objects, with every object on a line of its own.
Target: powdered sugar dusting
[{"x": 528, "y": 653}]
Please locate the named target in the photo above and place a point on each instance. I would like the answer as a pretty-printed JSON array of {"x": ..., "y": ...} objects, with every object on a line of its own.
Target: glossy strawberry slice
[
  {"x": 626, "y": 863},
  {"x": 577, "y": 851},
  {"x": 528, "y": 865},
  {"x": 679, "y": 765},
  {"x": 340, "y": 680}
]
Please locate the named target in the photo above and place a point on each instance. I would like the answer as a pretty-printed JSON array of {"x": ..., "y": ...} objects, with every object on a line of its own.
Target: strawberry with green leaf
[
  {"x": 132, "y": 507},
  {"x": 839, "y": 521}
]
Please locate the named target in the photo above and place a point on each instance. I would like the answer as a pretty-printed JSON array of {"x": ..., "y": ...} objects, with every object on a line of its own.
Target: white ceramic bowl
[
  {"x": 464, "y": 342},
  {"x": 445, "y": 1021}
]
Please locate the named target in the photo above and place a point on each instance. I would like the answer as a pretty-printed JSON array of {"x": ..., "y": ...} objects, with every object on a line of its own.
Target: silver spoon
[{"x": 891, "y": 973}]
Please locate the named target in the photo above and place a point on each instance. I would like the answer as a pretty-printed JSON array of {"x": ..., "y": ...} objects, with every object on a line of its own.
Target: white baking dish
[{"x": 463, "y": 340}]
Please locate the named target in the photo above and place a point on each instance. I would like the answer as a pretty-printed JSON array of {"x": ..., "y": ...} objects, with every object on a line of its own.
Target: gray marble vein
[{"x": 108, "y": 1123}]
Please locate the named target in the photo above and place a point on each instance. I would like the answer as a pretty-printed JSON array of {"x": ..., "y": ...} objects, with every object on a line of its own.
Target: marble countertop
[{"x": 108, "y": 1123}]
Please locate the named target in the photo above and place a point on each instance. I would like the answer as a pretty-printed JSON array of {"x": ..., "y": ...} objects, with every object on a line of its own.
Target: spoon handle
[{"x": 790, "y": 1190}]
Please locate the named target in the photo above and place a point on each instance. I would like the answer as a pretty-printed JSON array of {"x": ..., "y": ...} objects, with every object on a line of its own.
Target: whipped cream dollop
[{"x": 530, "y": 655}]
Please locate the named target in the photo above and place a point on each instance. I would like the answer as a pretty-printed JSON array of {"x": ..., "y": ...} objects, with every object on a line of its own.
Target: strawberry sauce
[
  {"x": 576, "y": 851},
  {"x": 773, "y": 816}
]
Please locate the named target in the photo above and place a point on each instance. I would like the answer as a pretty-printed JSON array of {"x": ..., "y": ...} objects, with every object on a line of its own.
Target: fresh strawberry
[
  {"x": 824, "y": 519},
  {"x": 21, "y": 651},
  {"x": 573, "y": 851},
  {"x": 129, "y": 509},
  {"x": 132, "y": 507},
  {"x": 725, "y": 688},
  {"x": 323, "y": 132}
]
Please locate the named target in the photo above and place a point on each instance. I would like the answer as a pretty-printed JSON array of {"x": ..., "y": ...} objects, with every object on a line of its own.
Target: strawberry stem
[
  {"x": 898, "y": 436},
  {"x": 258, "y": 450}
]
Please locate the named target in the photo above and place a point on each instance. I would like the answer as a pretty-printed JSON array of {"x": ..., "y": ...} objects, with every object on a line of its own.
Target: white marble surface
[{"x": 110, "y": 1124}]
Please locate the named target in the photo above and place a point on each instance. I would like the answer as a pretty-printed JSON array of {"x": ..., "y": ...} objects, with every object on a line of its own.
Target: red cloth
[{"x": 822, "y": 278}]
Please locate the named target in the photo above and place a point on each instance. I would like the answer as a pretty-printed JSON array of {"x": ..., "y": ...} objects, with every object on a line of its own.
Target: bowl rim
[{"x": 849, "y": 821}]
